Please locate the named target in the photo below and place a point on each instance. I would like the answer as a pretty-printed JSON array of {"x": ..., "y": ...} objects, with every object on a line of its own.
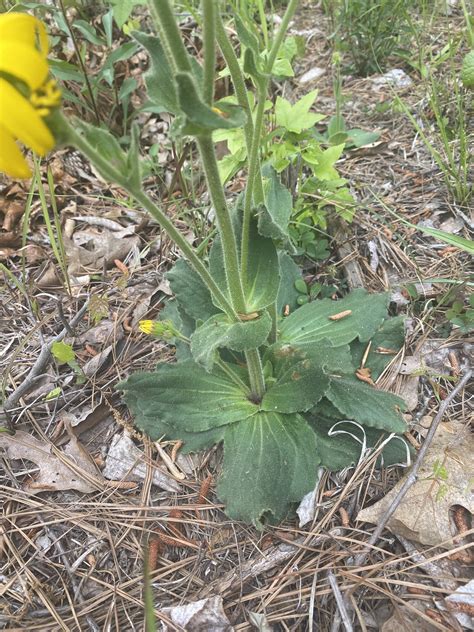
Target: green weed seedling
[{"x": 255, "y": 371}]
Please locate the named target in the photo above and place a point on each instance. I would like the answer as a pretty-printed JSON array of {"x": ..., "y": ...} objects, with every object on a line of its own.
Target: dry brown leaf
[
  {"x": 444, "y": 479},
  {"x": 54, "y": 473},
  {"x": 206, "y": 614}
]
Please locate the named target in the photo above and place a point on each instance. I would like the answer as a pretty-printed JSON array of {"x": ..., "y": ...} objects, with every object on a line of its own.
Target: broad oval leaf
[
  {"x": 270, "y": 461},
  {"x": 366, "y": 404},
  {"x": 185, "y": 397},
  {"x": 325, "y": 319},
  {"x": 342, "y": 445},
  {"x": 219, "y": 332}
]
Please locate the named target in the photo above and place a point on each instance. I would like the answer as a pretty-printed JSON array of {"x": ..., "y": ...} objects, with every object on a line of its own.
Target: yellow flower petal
[
  {"x": 11, "y": 159},
  {"x": 24, "y": 28},
  {"x": 23, "y": 62},
  {"x": 22, "y": 121}
]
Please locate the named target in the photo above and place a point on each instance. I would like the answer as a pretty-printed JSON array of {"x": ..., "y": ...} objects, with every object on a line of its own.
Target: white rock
[
  {"x": 396, "y": 78},
  {"x": 125, "y": 462},
  {"x": 312, "y": 74}
]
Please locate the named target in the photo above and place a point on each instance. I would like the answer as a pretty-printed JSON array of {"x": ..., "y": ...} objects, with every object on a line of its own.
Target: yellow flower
[{"x": 26, "y": 94}]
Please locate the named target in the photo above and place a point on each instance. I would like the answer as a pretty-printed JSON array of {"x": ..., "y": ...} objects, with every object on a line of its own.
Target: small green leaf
[
  {"x": 200, "y": 118},
  {"x": 312, "y": 322},
  {"x": 290, "y": 273},
  {"x": 367, "y": 405},
  {"x": 160, "y": 83},
  {"x": 219, "y": 332},
  {"x": 63, "y": 352},
  {"x": 185, "y": 397},
  {"x": 270, "y": 461},
  {"x": 361, "y": 138},
  {"x": 322, "y": 161},
  {"x": 301, "y": 286},
  {"x": 274, "y": 216},
  {"x": 56, "y": 392},
  {"x": 106, "y": 145},
  {"x": 296, "y": 118},
  {"x": 192, "y": 295},
  {"x": 246, "y": 34}
]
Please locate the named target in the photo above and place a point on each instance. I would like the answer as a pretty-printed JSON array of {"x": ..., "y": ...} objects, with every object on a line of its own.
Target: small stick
[
  {"x": 412, "y": 476},
  {"x": 343, "y": 614}
]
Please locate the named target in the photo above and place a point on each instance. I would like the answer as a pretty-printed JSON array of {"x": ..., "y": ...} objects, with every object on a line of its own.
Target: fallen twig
[{"x": 412, "y": 476}]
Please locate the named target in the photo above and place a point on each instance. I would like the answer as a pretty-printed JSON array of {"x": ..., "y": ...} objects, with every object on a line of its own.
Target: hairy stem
[
  {"x": 238, "y": 82},
  {"x": 254, "y": 167},
  {"x": 224, "y": 223},
  {"x": 72, "y": 137},
  {"x": 209, "y": 45},
  {"x": 277, "y": 42},
  {"x": 165, "y": 21}
]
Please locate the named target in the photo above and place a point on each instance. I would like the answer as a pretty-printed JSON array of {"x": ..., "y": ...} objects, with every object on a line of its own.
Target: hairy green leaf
[
  {"x": 160, "y": 83},
  {"x": 315, "y": 321},
  {"x": 270, "y": 461},
  {"x": 274, "y": 216},
  {"x": 367, "y": 405},
  {"x": 200, "y": 118},
  {"x": 219, "y": 332},
  {"x": 342, "y": 444},
  {"x": 288, "y": 295},
  {"x": 263, "y": 278},
  {"x": 185, "y": 397},
  {"x": 297, "y": 389},
  {"x": 192, "y": 295},
  {"x": 263, "y": 275}
]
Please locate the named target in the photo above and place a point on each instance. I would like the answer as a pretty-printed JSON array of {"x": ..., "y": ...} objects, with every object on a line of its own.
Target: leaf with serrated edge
[
  {"x": 297, "y": 390},
  {"x": 186, "y": 397},
  {"x": 156, "y": 429},
  {"x": 270, "y": 461},
  {"x": 367, "y": 405},
  {"x": 312, "y": 323},
  {"x": 219, "y": 332}
]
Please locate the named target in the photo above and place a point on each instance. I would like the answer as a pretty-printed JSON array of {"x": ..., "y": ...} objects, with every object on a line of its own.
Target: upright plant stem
[
  {"x": 238, "y": 82},
  {"x": 75, "y": 139},
  {"x": 163, "y": 15},
  {"x": 262, "y": 90},
  {"x": 224, "y": 223},
  {"x": 254, "y": 163},
  {"x": 209, "y": 45},
  {"x": 277, "y": 42}
]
